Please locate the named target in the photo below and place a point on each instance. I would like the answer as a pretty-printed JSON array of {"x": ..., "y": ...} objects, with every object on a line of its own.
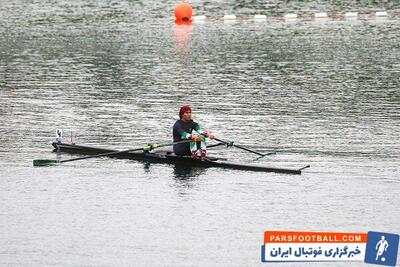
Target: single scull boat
[{"x": 170, "y": 158}]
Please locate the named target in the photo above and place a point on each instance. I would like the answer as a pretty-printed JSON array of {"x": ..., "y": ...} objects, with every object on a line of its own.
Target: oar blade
[
  {"x": 305, "y": 167},
  {"x": 268, "y": 154},
  {"x": 44, "y": 162}
]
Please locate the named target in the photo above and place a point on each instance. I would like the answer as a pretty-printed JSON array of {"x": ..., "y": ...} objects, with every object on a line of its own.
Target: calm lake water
[{"x": 324, "y": 93}]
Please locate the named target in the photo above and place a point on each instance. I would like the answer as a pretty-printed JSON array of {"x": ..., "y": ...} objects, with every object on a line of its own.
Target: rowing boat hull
[{"x": 168, "y": 157}]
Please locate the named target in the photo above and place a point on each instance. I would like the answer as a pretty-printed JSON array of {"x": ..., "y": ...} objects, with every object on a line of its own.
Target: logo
[
  {"x": 283, "y": 246},
  {"x": 382, "y": 248},
  {"x": 372, "y": 247}
]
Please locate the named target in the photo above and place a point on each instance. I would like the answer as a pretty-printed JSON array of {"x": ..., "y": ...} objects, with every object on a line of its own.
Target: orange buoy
[{"x": 183, "y": 13}]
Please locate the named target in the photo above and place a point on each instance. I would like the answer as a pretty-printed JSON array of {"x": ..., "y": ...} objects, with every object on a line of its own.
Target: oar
[
  {"x": 45, "y": 162},
  {"x": 305, "y": 167},
  {"x": 219, "y": 144},
  {"x": 268, "y": 154},
  {"x": 246, "y": 149}
]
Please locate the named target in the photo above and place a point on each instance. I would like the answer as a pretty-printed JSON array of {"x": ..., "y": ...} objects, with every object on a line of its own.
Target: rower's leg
[
  {"x": 194, "y": 149},
  {"x": 203, "y": 147}
]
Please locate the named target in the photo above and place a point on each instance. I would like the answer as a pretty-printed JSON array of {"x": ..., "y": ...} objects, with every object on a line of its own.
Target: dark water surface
[{"x": 115, "y": 74}]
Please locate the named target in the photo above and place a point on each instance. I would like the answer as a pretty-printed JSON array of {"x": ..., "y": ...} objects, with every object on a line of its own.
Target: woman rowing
[{"x": 186, "y": 129}]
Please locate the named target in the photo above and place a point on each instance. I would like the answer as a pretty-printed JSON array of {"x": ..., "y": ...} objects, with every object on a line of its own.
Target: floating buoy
[
  {"x": 199, "y": 19},
  {"x": 229, "y": 17},
  {"x": 351, "y": 15},
  {"x": 321, "y": 15},
  {"x": 290, "y": 16},
  {"x": 183, "y": 13},
  {"x": 260, "y": 17},
  {"x": 381, "y": 14}
]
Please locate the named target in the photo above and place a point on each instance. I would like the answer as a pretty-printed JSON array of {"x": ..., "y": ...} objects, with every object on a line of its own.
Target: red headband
[{"x": 184, "y": 109}]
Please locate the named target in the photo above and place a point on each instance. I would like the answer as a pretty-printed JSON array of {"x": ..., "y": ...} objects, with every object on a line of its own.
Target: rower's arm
[
  {"x": 179, "y": 132},
  {"x": 200, "y": 130},
  {"x": 186, "y": 135},
  {"x": 203, "y": 132}
]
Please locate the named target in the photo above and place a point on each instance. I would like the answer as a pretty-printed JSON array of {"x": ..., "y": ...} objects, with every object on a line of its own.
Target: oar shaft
[
  {"x": 103, "y": 154},
  {"x": 125, "y": 151},
  {"x": 246, "y": 149},
  {"x": 249, "y": 150},
  {"x": 219, "y": 144}
]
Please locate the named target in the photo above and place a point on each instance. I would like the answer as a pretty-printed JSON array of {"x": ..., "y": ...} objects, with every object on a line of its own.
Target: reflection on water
[
  {"x": 183, "y": 36},
  {"x": 183, "y": 172},
  {"x": 187, "y": 178}
]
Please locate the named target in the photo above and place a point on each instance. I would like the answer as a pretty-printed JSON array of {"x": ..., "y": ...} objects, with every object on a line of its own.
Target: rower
[{"x": 186, "y": 129}]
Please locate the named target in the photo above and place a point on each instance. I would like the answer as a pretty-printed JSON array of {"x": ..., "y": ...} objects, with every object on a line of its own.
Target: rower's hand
[
  {"x": 211, "y": 136},
  {"x": 196, "y": 138}
]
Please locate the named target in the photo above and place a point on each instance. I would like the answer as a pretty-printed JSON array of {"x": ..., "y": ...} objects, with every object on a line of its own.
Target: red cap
[{"x": 183, "y": 110}]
